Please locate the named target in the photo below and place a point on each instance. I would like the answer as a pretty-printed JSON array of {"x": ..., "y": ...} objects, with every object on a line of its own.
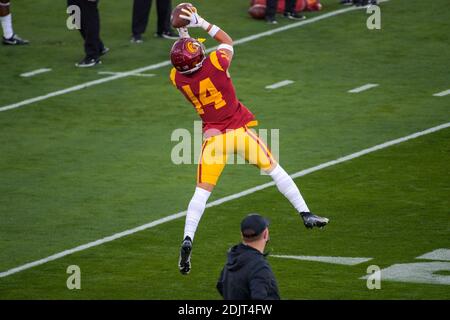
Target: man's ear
[{"x": 266, "y": 234}]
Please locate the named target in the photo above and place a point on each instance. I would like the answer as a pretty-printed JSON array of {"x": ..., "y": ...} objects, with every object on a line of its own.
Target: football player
[
  {"x": 9, "y": 37},
  {"x": 205, "y": 82}
]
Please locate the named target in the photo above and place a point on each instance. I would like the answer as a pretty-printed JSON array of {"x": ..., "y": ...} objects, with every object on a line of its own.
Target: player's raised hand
[{"x": 195, "y": 20}]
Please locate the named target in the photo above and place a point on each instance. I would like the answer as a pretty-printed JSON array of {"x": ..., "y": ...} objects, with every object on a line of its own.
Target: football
[
  {"x": 257, "y": 11},
  {"x": 175, "y": 19}
]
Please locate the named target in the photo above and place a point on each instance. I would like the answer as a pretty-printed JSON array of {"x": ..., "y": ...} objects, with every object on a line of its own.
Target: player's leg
[
  {"x": 257, "y": 153},
  {"x": 9, "y": 37},
  {"x": 212, "y": 161},
  {"x": 196, "y": 208},
  {"x": 194, "y": 213},
  {"x": 289, "y": 189}
]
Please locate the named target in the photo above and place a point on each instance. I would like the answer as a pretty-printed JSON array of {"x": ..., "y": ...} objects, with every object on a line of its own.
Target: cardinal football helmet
[{"x": 187, "y": 55}]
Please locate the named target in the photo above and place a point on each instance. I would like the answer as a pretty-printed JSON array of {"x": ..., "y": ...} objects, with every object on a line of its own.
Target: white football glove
[{"x": 195, "y": 21}]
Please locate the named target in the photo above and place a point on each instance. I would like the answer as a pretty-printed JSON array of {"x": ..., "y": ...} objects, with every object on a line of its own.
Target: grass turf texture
[{"x": 82, "y": 166}]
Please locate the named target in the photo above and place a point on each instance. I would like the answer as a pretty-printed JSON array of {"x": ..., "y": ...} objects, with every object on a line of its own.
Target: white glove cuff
[
  {"x": 226, "y": 47},
  {"x": 213, "y": 31}
]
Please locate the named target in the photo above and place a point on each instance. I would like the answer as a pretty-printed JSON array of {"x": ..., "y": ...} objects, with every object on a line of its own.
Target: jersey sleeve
[{"x": 220, "y": 60}]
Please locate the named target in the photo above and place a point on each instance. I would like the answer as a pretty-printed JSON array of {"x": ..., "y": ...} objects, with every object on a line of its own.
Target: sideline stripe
[
  {"x": 364, "y": 88},
  {"x": 442, "y": 94},
  {"x": 167, "y": 62},
  {"x": 280, "y": 84},
  {"x": 221, "y": 200},
  {"x": 35, "y": 72},
  {"x": 137, "y": 74},
  {"x": 348, "y": 261},
  {"x": 438, "y": 254}
]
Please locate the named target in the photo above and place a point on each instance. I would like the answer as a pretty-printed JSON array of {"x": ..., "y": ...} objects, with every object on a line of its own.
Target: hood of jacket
[{"x": 240, "y": 255}]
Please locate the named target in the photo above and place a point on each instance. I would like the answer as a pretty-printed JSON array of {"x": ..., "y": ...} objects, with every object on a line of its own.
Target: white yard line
[
  {"x": 364, "y": 88},
  {"x": 136, "y": 75},
  {"x": 35, "y": 72},
  {"x": 220, "y": 201},
  {"x": 419, "y": 272},
  {"x": 438, "y": 254},
  {"x": 279, "y": 84},
  {"x": 348, "y": 261},
  {"x": 167, "y": 62},
  {"x": 442, "y": 94}
]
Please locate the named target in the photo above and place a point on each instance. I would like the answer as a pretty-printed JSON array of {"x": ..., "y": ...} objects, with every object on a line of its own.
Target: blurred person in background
[
  {"x": 9, "y": 37},
  {"x": 289, "y": 11},
  {"x": 141, "y": 13},
  {"x": 90, "y": 31}
]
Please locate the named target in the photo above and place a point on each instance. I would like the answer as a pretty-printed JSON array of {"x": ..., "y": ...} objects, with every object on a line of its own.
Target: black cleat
[
  {"x": 168, "y": 35},
  {"x": 271, "y": 20},
  {"x": 88, "y": 62},
  {"x": 310, "y": 220},
  {"x": 15, "y": 40},
  {"x": 137, "y": 38},
  {"x": 185, "y": 256},
  {"x": 294, "y": 16},
  {"x": 104, "y": 51}
]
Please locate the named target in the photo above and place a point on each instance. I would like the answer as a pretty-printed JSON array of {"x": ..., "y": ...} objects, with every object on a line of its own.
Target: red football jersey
[{"x": 211, "y": 92}]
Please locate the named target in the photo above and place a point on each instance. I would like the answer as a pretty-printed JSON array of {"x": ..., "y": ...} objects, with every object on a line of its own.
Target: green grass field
[{"x": 85, "y": 165}]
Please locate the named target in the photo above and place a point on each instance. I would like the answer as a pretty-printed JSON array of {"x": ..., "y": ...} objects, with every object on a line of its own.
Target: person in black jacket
[{"x": 247, "y": 274}]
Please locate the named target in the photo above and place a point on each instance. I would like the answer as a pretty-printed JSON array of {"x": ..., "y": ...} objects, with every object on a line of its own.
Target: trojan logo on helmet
[{"x": 192, "y": 47}]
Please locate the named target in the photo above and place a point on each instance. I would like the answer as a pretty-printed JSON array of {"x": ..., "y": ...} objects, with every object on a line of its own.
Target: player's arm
[{"x": 195, "y": 20}]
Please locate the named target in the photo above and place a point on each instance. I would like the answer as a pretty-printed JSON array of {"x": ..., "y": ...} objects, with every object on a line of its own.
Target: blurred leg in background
[
  {"x": 141, "y": 13},
  {"x": 9, "y": 37},
  {"x": 164, "y": 30},
  {"x": 90, "y": 31},
  {"x": 289, "y": 11},
  {"x": 271, "y": 11}
]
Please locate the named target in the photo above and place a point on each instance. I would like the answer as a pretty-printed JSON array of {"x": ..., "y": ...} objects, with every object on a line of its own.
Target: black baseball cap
[{"x": 253, "y": 225}]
